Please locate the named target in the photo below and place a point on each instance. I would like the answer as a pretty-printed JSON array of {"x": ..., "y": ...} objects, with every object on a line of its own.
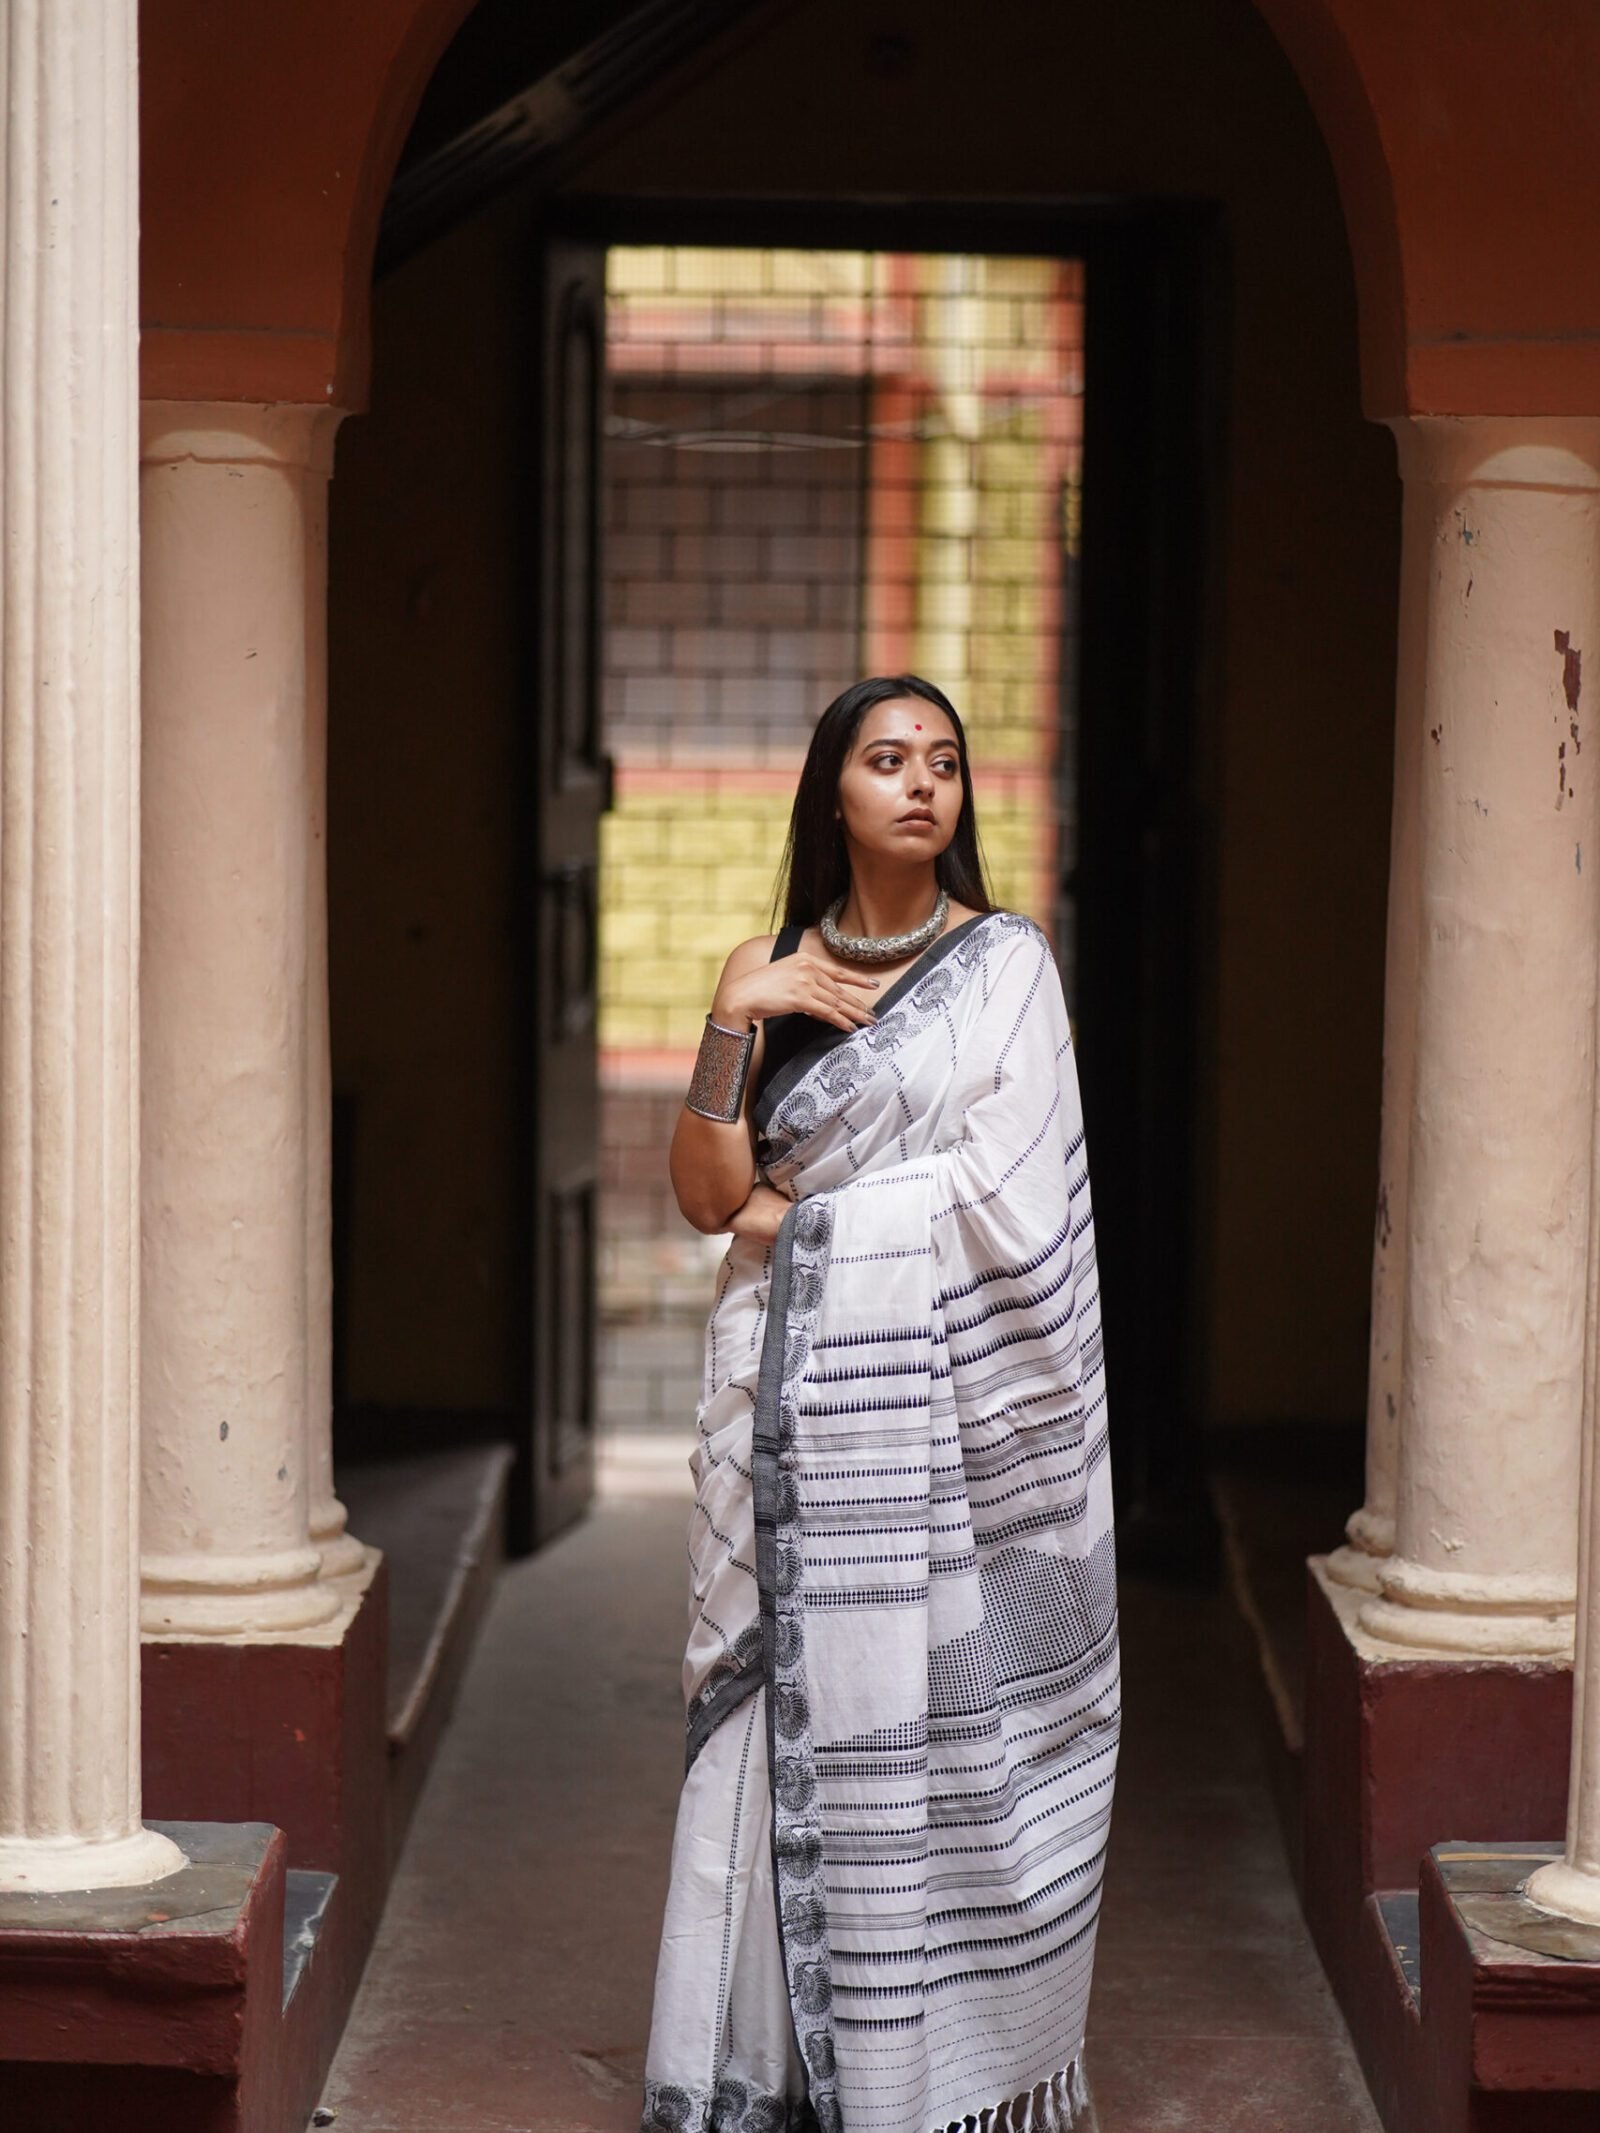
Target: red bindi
[{"x": 919, "y": 729}]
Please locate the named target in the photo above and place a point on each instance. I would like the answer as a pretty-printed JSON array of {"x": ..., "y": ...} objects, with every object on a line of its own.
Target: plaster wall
[{"x": 424, "y": 588}]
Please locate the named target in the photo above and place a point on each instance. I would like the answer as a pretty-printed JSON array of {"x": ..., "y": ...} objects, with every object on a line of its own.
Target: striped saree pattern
[{"x": 902, "y": 1670}]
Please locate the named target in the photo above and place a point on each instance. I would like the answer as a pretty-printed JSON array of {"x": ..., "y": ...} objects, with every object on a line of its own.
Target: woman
[{"x": 902, "y": 1667}]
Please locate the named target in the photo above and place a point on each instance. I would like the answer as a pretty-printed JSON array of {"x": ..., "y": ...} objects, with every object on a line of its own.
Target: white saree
[{"x": 902, "y": 1671}]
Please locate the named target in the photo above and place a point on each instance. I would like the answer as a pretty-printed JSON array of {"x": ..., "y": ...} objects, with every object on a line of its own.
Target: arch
[
  {"x": 1458, "y": 133},
  {"x": 255, "y": 281},
  {"x": 270, "y": 133},
  {"x": 1314, "y": 43}
]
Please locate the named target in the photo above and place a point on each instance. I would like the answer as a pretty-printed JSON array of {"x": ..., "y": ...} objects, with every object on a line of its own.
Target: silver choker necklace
[{"x": 886, "y": 947}]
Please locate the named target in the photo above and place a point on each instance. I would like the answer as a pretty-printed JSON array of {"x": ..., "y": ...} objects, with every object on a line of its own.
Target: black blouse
[{"x": 791, "y": 1033}]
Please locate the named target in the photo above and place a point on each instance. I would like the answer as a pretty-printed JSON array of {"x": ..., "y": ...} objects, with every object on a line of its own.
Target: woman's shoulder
[{"x": 750, "y": 954}]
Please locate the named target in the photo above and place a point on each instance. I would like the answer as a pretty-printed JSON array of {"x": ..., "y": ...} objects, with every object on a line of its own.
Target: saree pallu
[{"x": 902, "y": 1670}]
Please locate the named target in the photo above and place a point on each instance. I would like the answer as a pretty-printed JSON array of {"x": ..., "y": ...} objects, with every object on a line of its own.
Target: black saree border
[
  {"x": 719, "y": 1700},
  {"x": 794, "y": 1070},
  {"x": 799, "y": 1268}
]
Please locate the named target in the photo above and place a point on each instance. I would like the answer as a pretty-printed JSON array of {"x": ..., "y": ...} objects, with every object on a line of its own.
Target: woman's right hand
[{"x": 798, "y": 984}]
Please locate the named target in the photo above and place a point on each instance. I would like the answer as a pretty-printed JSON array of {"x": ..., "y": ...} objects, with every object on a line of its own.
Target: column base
[
  {"x": 105, "y": 2021},
  {"x": 1470, "y": 1615},
  {"x": 235, "y": 1596},
  {"x": 1403, "y": 1747},
  {"x": 1355, "y": 1568},
  {"x": 1515, "y": 2036},
  {"x": 72, "y": 1865},
  {"x": 343, "y": 1556},
  {"x": 288, "y": 1730},
  {"x": 1566, "y": 1892},
  {"x": 1463, "y": 2021},
  {"x": 1360, "y": 1562}
]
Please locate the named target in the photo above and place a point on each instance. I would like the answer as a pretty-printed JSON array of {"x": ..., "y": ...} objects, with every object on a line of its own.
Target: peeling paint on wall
[{"x": 1571, "y": 670}]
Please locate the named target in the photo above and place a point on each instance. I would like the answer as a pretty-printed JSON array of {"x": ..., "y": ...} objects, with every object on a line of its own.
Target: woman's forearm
[
  {"x": 713, "y": 1168},
  {"x": 761, "y": 1216}
]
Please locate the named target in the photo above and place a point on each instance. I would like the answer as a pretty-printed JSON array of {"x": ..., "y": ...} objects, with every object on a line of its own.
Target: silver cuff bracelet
[{"x": 716, "y": 1087}]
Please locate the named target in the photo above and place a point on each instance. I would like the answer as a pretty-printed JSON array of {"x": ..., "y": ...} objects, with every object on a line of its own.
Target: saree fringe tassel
[{"x": 1054, "y": 2106}]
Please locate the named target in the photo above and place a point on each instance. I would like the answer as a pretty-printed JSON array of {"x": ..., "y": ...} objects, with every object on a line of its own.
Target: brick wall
[
  {"x": 733, "y": 566},
  {"x": 819, "y": 465}
]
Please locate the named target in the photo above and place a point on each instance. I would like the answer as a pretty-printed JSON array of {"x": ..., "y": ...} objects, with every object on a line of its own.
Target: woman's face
[{"x": 900, "y": 788}]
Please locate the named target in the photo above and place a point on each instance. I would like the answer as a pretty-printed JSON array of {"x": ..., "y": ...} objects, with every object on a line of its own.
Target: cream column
[
  {"x": 1571, "y": 1885},
  {"x": 1370, "y": 1530},
  {"x": 69, "y": 870},
  {"x": 234, "y": 500},
  {"x": 1485, "y": 1548},
  {"x": 342, "y": 1554}
]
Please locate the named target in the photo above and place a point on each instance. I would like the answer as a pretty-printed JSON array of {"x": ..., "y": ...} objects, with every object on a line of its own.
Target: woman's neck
[{"x": 887, "y": 899}]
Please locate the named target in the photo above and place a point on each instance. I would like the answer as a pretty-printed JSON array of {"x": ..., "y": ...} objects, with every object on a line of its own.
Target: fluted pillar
[
  {"x": 1497, "y": 1223},
  {"x": 234, "y": 509},
  {"x": 1369, "y": 1534},
  {"x": 69, "y": 860}
]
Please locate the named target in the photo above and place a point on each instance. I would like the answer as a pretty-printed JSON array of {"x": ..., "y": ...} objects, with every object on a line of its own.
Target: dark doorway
[
  {"x": 1131, "y": 903},
  {"x": 500, "y": 423}
]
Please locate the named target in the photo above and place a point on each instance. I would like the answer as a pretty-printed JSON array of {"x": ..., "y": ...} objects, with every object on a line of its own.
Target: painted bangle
[{"x": 716, "y": 1087}]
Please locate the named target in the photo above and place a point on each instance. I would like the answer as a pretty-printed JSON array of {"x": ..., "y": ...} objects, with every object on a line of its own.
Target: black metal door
[
  {"x": 571, "y": 778},
  {"x": 1142, "y": 890}
]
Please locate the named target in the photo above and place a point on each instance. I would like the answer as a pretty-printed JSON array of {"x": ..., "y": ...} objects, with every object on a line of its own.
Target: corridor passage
[{"x": 509, "y": 1991}]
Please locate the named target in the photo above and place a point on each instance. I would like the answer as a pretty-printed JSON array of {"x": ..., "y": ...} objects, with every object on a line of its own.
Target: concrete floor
[{"x": 510, "y": 1986}]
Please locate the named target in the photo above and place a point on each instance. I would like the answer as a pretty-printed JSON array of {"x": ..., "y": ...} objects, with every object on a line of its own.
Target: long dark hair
[{"x": 816, "y": 866}]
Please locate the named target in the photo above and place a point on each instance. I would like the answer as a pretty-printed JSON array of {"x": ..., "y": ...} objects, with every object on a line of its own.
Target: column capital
[
  {"x": 236, "y": 433},
  {"x": 1499, "y": 451}
]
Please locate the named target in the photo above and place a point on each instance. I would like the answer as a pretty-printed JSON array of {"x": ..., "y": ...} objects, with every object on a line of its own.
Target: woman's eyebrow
[{"x": 903, "y": 740}]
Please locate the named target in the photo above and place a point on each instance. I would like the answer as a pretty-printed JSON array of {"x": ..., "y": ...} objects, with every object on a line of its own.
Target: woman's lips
[{"x": 920, "y": 820}]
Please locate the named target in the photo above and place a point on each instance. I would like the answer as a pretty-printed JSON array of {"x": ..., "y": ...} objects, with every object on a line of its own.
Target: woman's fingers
[
  {"x": 828, "y": 1003},
  {"x": 843, "y": 1014},
  {"x": 805, "y": 986},
  {"x": 863, "y": 1010},
  {"x": 826, "y": 987},
  {"x": 837, "y": 974}
]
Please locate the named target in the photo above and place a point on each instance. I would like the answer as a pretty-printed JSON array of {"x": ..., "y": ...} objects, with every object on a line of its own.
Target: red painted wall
[
  {"x": 1467, "y": 127},
  {"x": 1458, "y": 129},
  {"x": 269, "y": 132}
]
